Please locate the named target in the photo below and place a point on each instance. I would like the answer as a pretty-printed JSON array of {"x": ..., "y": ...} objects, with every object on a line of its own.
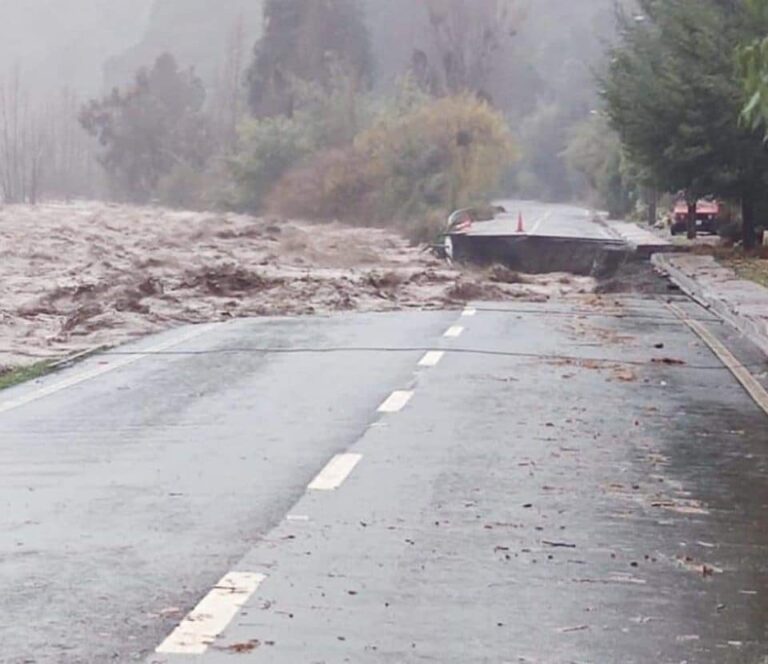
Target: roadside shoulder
[{"x": 742, "y": 303}]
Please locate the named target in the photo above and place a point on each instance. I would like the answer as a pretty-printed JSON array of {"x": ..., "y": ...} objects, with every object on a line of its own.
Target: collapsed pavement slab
[{"x": 643, "y": 240}]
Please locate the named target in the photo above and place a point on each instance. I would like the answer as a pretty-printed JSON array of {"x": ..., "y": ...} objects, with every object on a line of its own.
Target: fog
[{"x": 541, "y": 75}]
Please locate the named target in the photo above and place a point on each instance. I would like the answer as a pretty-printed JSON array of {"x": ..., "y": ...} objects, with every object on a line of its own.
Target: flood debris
[
  {"x": 91, "y": 274},
  {"x": 668, "y": 361},
  {"x": 570, "y": 630}
]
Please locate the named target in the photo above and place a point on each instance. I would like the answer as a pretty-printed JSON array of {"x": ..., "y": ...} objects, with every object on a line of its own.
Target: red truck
[{"x": 707, "y": 217}]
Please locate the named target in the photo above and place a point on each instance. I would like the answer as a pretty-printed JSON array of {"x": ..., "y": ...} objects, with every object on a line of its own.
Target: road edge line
[
  {"x": 84, "y": 376},
  {"x": 752, "y": 386}
]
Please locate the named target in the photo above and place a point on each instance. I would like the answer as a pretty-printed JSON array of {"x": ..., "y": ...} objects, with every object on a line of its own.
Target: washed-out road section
[{"x": 578, "y": 480}]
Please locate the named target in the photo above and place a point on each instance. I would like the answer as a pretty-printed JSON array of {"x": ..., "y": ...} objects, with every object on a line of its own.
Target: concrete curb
[{"x": 756, "y": 330}]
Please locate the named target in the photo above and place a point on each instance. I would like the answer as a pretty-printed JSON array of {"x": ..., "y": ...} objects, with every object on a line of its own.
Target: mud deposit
[{"x": 82, "y": 275}]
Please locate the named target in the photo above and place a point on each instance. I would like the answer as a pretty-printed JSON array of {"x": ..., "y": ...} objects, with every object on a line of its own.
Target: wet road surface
[
  {"x": 574, "y": 481},
  {"x": 544, "y": 220}
]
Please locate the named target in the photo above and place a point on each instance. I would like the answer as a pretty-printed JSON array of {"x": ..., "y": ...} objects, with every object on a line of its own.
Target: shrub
[
  {"x": 324, "y": 118},
  {"x": 444, "y": 154},
  {"x": 335, "y": 184},
  {"x": 268, "y": 148},
  {"x": 448, "y": 153}
]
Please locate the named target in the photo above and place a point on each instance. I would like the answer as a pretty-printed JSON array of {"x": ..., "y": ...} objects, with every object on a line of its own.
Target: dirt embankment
[{"x": 81, "y": 275}]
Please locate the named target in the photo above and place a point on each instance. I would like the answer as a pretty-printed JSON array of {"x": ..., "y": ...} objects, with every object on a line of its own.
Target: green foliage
[
  {"x": 441, "y": 155},
  {"x": 268, "y": 148},
  {"x": 672, "y": 95},
  {"x": 10, "y": 377},
  {"x": 753, "y": 61},
  {"x": 307, "y": 40},
  {"x": 151, "y": 129},
  {"x": 323, "y": 118}
]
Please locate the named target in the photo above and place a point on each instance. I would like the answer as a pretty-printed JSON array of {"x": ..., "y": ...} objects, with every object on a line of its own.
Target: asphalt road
[
  {"x": 555, "y": 487},
  {"x": 544, "y": 220},
  {"x": 126, "y": 495}
]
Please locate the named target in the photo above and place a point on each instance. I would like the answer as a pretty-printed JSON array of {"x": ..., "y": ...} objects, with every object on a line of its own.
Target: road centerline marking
[
  {"x": 82, "y": 377},
  {"x": 454, "y": 332},
  {"x": 335, "y": 472},
  {"x": 748, "y": 381},
  {"x": 208, "y": 620},
  {"x": 469, "y": 312},
  {"x": 432, "y": 358},
  {"x": 396, "y": 401}
]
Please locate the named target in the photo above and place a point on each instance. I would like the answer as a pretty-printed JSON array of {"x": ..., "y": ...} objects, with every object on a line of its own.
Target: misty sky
[
  {"x": 64, "y": 42},
  {"x": 73, "y": 43}
]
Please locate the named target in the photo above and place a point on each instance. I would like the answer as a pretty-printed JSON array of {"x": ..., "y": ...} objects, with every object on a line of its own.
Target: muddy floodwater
[{"x": 81, "y": 275}]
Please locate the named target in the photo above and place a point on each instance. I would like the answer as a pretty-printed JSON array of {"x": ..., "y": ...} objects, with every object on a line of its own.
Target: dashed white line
[
  {"x": 336, "y": 472},
  {"x": 396, "y": 401},
  {"x": 84, "y": 376},
  {"x": 469, "y": 312},
  {"x": 212, "y": 615},
  {"x": 432, "y": 359},
  {"x": 454, "y": 332}
]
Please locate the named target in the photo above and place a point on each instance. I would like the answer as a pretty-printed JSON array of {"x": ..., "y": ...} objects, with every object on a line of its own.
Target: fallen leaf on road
[
  {"x": 668, "y": 361},
  {"x": 619, "y": 579},
  {"x": 568, "y": 630},
  {"x": 625, "y": 375},
  {"x": 699, "y": 568},
  {"x": 249, "y": 646}
]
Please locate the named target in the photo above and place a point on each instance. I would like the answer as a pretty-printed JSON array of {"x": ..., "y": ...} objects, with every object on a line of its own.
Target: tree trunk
[
  {"x": 748, "y": 221},
  {"x": 653, "y": 206},
  {"x": 692, "y": 209}
]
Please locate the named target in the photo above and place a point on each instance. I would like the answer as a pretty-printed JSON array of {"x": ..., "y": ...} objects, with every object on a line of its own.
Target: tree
[
  {"x": 152, "y": 128},
  {"x": 228, "y": 101},
  {"x": 24, "y": 143},
  {"x": 308, "y": 41},
  {"x": 753, "y": 58},
  {"x": 671, "y": 94},
  {"x": 468, "y": 36}
]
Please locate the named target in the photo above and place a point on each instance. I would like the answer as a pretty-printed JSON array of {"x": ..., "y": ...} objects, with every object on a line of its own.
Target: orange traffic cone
[{"x": 520, "y": 224}]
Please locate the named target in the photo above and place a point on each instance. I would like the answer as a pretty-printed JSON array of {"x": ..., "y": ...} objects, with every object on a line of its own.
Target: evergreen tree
[
  {"x": 307, "y": 41},
  {"x": 672, "y": 94}
]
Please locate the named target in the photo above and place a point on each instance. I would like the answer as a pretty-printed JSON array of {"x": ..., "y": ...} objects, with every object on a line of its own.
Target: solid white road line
[
  {"x": 212, "y": 615},
  {"x": 396, "y": 401},
  {"x": 76, "y": 379},
  {"x": 469, "y": 312},
  {"x": 333, "y": 475},
  {"x": 454, "y": 332},
  {"x": 432, "y": 359}
]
